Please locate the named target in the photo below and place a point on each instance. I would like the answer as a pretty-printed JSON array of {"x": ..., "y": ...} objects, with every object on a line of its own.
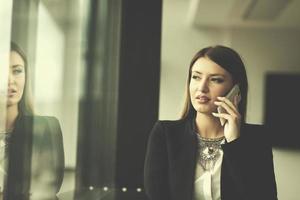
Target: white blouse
[{"x": 208, "y": 183}]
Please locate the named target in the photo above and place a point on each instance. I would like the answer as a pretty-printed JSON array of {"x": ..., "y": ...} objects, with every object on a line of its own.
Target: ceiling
[
  {"x": 245, "y": 13},
  {"x": 65, "y": 13}
]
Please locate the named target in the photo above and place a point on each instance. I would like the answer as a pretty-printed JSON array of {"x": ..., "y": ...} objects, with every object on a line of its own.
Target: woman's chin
[
  {"x": 12, "y": 102},
  {"x": 204, "y": 111}
]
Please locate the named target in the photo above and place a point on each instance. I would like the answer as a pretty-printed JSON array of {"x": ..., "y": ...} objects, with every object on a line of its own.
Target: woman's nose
[
  {"x": 11, "y": 78},
  {"x": 203, "y": 86}
]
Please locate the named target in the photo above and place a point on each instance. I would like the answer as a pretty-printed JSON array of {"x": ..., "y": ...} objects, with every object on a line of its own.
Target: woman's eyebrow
[
  {"x": 217, "y": 75},
  {"x": 17, "y": 65},
  {"x": 209, "y": 74}
]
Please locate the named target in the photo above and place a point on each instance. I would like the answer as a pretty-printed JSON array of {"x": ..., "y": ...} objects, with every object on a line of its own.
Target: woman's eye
[
  {"x": 17, "y": 71},
  {"x": 196, "y": 77},
  {"x": 217, "y": 80}
]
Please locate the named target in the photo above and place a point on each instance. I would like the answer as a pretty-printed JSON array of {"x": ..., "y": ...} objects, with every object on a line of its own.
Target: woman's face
[
  {"x": 208, "y": 81},
  {"x": 16, "y": 80}
]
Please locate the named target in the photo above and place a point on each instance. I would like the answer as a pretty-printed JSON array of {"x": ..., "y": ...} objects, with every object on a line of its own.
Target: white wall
[
  {"x": 262, "y": 51},
  {"x": 179, "y": 44}
]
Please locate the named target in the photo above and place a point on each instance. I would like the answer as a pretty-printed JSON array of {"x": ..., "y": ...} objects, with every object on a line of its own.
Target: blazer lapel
[
  {"x": 183, "y": 163},
  {"x": 19, "y": 159}
]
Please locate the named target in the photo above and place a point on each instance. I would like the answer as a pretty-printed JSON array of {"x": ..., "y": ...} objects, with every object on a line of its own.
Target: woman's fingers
[
  {"x": 222, "y": 115},
  {"x": 228, "y": 109},
  {"x": 232, "y": 111},
  {"x": 233, "y": 117},
  {"x": 232, "y": 105}
]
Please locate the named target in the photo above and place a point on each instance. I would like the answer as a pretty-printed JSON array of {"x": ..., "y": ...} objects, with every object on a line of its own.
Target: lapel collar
[
  {"x": 19, "y": 160},
  {"x": 183, "y": 167}
]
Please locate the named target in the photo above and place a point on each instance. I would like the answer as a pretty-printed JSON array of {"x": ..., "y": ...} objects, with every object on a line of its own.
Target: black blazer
[
  {"x": 35, "y": 158},
  {"x": 247, "y": 169}
]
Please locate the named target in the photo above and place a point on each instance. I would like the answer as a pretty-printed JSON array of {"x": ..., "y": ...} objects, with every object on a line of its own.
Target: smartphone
[{"x": 230, "y": 95}]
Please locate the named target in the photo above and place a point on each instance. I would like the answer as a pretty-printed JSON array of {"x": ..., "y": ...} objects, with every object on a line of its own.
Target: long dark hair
[
  {"x": 25, "y": 105},
  {"x": 231, "y": 61}
]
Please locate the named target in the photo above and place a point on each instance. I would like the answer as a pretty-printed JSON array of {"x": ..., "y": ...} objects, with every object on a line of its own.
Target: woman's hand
[{"x": 233, "y": 117}]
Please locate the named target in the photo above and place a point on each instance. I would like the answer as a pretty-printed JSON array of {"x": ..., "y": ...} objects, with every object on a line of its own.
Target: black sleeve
[
  {"x": 56, "y": 140},
  {"x": 47, "y": 158},
  {"x": 156, "y": 165},
  {"x": 250, "y": 161}
]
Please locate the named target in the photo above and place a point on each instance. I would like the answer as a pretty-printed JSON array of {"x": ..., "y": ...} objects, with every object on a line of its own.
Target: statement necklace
[
  {"x": 4, "y": 140},
  {"x": 209, "y": 151},
  {"x": 5, "y": 131}
]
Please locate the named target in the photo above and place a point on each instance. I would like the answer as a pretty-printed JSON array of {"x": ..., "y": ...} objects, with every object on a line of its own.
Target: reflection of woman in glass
[
  {"x": 33, "y": 161},
  {"x": 199, "y": 157}
]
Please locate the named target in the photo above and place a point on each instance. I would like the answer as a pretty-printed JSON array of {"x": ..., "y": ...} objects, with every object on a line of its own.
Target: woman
[
  {"x": 33, "y": 149},
  {"x": 200, "y": 158}
]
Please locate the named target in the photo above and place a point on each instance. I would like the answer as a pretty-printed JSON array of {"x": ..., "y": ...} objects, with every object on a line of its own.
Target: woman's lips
[
  {"x": 202, "y": 99},
  {"x": 11, "y": 92}
]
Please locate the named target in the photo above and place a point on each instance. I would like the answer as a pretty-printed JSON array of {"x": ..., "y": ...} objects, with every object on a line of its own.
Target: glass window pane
[
  {"x": 49, "y": 45},
  {"x": 5, "y": 21}
]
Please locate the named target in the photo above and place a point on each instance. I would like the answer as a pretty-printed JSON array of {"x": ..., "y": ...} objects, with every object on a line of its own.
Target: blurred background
[{"x": 108, "y": 69}]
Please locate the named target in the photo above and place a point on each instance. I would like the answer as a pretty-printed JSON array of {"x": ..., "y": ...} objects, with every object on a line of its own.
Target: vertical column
[
  {"x": 96, "y": 149},
  {"x": 138, "y": 90},
  {"x": 121, "y": 99}
]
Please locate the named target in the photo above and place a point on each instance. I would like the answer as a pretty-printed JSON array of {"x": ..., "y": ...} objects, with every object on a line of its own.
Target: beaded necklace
[{"x": 209, "y": 151}]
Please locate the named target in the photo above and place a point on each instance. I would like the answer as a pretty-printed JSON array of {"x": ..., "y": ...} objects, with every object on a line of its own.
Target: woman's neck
[
  {"x": 208, "y": 126},
  {"x": 11, "y": 116}
]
